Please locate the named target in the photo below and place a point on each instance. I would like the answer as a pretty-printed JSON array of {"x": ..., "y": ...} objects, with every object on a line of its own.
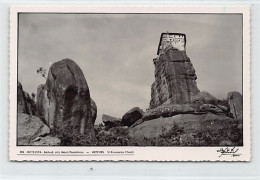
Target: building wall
[{"x": 177, "y": 41}]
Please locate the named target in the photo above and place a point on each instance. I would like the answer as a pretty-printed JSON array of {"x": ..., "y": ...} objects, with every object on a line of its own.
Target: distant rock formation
[
  {"x": 64, "y": 101},
  {"x": 110, "y": 121},
  {"x": 235, "y": 101},
  {"x": 132, "y": 116},
  {"x": 175, "y": 78}
]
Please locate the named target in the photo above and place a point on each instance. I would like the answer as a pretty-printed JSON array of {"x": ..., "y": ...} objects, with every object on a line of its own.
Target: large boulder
[
  {"x": 235, "y": 101},
  {"x": 110, "y": 121},
  {"x": 21, "y": 101},
  {"x": 64, "y": 101},
  {"x": 132, "y": 116},
  {"x": 188, "y": 123},
  {"x": 175, "y": 78},
  {"x": 30, "y": 128},
  {"x": 168, "y": 111},
  {"x": 93, "y": 110}
]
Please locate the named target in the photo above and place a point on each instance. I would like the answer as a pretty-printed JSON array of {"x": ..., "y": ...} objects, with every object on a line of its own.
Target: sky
[{"x": 116, "y": 51}]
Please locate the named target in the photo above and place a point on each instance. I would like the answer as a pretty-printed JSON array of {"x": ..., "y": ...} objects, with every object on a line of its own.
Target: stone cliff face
[
  {"x": 175, "y": 78},
  {"x": 64, "y": 101}
]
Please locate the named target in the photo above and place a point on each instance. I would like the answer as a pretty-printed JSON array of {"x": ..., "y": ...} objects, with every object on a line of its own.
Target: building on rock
[{"x": 175, "y": 78}]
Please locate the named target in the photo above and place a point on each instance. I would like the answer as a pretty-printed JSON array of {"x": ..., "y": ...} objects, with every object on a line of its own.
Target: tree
[{"x": 42, "y": 72}]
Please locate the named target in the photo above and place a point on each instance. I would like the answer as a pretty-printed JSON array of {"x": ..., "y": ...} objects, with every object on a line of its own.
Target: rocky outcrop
[
  {"x": 190, "y": 123},
  {"x": 175, "y": 78},
  {"x": 169, "y": 111},
  {"x": 64, "y": 101},
  {"x": 30, "y": 128},
  {"x": 30, "y": 103},
  {"x": 132, "y": 116},
  {"x": 25, "y": 103},
  {"x": 93, "y": 110},
  {"x": 235, "y": 101},
  {"x": 21, "y": 101},
  {"x": 210, "y": 108},
  {"x": 110, "y": 121},
  {"x": 203, "y": 97}
]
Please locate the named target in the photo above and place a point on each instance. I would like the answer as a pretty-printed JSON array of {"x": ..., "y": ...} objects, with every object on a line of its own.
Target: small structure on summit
[
  {"x": 175, "y": 78},
  {"x": 177, "y": 40}
]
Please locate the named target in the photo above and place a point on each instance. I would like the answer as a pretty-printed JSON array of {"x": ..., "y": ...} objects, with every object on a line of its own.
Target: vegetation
[
  {"x": 42, "y": 72},
  {"x": 231, "y": 135},
  {"x": 116, "y": 136}
]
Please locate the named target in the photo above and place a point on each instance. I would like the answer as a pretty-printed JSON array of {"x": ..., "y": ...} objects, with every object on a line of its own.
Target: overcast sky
[{"x": 115, "y": 52}]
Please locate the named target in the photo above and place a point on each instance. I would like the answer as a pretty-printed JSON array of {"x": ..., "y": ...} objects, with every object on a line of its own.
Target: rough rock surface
[
  {"x": 235, "y": 101},
  {"x": 168, "y": 111},
  {"x": 210, "y": 108},
  {"x": 93, "y": 110},
  {"x": 25, "y": 104},
  {"x": 46, "y": 141},
  {"x": 64, "y": 101},
  {"x": 30, "y": 103},
  {"x": 190, "y": 122},
  {"x": 42, "y": 102},
  {"x": 175, "y": 79},
  {"x": 132, "y": 116},
  {"x": 110, "y": 121},
  {"x": 21, "y": 101},
  {"x": 203, "y": 97},
  {"x": 29, "y": 128}
]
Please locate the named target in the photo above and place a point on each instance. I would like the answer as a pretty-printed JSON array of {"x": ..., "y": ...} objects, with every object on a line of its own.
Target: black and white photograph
[{"x": 131, "y": 79}]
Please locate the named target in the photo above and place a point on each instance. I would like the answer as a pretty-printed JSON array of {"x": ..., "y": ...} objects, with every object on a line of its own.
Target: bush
[{"x": 170, "y": 138}]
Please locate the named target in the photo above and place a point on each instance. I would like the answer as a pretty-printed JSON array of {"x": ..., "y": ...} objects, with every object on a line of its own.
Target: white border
[{"x": 140, "y": 153}]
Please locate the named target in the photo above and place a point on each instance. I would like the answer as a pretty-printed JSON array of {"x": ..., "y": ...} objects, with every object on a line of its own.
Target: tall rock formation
[
  {"x": 25, "y": 103},
  {"x": 64, "y": 101},
  {"x": 21, "y": 101},
  {"x": 235, "y": 102},
  {"x": 175, "y": 78}
]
